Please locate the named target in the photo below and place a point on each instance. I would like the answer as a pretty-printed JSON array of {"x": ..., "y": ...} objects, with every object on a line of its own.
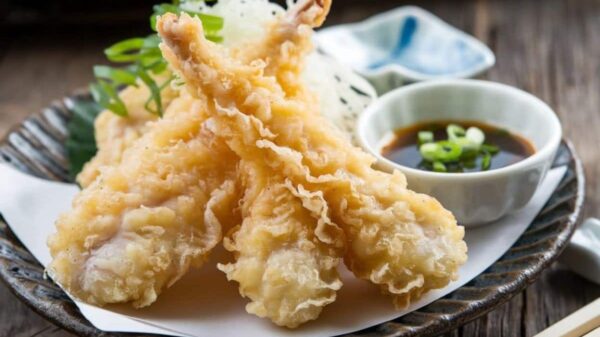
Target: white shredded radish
[{"x": 245, "y": 21}]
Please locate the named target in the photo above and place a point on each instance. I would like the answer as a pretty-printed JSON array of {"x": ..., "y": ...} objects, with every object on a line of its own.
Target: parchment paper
[{"x": 203, "y": 303}]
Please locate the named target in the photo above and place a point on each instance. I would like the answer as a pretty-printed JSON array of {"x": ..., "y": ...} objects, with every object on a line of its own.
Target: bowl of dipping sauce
[{"x": 481, "y": 148}]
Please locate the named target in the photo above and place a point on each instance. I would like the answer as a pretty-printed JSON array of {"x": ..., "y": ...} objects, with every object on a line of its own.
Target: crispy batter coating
[
  {"x": 248, "y": 128},
  {"x": 403, "y": 241},
  {"x": 283, "y": 49},
  {"x": 140, "y": 226},
  {"x": 287, "y": 250},
  {"x": 287, "y": 43},
  {"x": 110, "y": 260}
]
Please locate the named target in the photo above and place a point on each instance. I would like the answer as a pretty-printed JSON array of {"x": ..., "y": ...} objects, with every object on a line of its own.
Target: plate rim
[{"x": 441, "y": 323}]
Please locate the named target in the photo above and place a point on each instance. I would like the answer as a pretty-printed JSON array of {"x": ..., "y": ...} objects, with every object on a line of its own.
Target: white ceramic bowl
[{"x": 474, "y": 198}]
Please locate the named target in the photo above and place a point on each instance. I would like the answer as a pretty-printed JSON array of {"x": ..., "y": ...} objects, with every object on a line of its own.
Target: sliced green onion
[
  {"x": 429, "y": 151},
  {"x": 475, "y": 135},
  {"x": 107, "y": 96},
  {"x": 214, "y": 38},
  {"x": 425, "y": 137},
  {"x": 124, "y": 51},
  {"x": 455, "y": 131},
  {"x": 154, "y": 93},
  {"x": 491, "y": 149},
  {"x": 470, "y": 164},
  {"x": 444, "y": 151},
  {"x": 117, "y": 76},
  {"x": 467, "y": 146},
  {"x": 448, "y": 151},
  {"x": 146, "y": 59},
  {"x": 460, "y": 152},
  {"x": 209, "y": 22},
  {"x": 486, "y": 162},
  {"x": 439, "y": 167}
]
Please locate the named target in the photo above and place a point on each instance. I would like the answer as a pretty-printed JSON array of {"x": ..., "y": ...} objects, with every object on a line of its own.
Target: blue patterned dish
[{"x": 407, "y": 44}]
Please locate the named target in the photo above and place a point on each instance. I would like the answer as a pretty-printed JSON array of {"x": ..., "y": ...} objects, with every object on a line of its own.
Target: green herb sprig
[
  {"x": 140, "y": 58},
  {"x": 137, "y": 60},
  {"x": 461, "y": 149}
]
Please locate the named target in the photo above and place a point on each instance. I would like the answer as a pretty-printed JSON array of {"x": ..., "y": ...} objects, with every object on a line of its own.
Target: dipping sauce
[{"x": 509, "y": 147}]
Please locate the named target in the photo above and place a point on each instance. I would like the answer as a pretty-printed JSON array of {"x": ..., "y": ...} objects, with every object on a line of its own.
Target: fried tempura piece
[
  {"x": 286, "y": 44},
  {"x": 114, "y": 134},
  {"x": 116, "y": 245},
  {"x": 287, "y": 249},
  {"x": 140, "y": 226},
  {"x": 403, "y": 241}
]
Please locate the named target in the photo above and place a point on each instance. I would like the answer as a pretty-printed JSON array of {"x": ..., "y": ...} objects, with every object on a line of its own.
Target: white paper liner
[{"x": 203, "y": 303}]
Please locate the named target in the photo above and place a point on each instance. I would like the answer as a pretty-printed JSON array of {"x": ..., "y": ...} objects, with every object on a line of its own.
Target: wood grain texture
[{"x": 550, "y": 48}]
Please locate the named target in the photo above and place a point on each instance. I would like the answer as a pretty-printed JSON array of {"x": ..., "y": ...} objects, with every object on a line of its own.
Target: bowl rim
[
  {"x": 489, "y": 59},
  {"x": 542, "y": 154}
]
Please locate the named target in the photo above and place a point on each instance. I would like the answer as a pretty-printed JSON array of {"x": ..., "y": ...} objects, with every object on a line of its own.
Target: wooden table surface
[{"x": 550, "y": 48}]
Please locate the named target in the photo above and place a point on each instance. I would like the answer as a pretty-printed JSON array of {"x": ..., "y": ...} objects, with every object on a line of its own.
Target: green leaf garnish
[
  {"x": 212, "y": 24},
  {"x": 125, "y": 51},
  {"x": 137, "y": 59},
  {"x": 106, "y": 94},
  {"x": 141, "y": 58},
  {"x": 81, "y": 144},
  {"x": 118, "y": 76}
]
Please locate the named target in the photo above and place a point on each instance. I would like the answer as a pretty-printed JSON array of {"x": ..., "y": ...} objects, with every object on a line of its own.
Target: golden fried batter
[
  {"x": 143, "y": 222},
  {"x": 403, "y": 241},
  {"x": 283, "y": 49},
  {"x": 114, "y": 134},
  {"x": 121, "y": 244},
  {"x": 287, "y": 249}
]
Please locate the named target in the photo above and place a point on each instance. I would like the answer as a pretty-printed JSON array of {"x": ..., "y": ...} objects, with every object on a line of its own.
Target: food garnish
[
  {"x": 139, "y": 64},
  {"x": 244, "y": 155},
  {"x": 141, "y": 58},
  {"x": 461, "y": 149}
]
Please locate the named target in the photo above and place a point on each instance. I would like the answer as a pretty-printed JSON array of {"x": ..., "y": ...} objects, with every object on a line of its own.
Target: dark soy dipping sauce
[{"x": 404, "y": 148}]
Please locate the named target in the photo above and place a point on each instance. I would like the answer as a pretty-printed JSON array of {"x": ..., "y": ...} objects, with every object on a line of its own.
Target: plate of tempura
[{"x": 218, "y": 155}]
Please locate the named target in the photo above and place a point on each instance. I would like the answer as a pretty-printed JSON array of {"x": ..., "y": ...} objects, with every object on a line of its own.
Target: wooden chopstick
[{"x": 583, "y": 322}]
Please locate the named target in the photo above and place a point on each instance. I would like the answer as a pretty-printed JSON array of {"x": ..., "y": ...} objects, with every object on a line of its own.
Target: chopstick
[{"x": 583, "y": 322}]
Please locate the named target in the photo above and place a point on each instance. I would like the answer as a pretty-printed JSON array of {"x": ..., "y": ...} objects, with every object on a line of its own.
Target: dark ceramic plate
[{"x": 36, "y": 147}]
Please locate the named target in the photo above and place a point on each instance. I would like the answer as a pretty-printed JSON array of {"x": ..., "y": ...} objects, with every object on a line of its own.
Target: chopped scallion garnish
[
  {"x": 438, "y": 166},
  {"x": 460, "y": 151},
  {"x": 448, "y": 151},
  {"x": 429, "y": 151},
  {"x": 491, "y": 149},
  {"x": 486, "y": 162},
  {"x": 144, "y": 59},
  {"x": 475, "y": 135},
  {"x": 425, "y": 137},
  {"x": 455, "y": 131}
]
